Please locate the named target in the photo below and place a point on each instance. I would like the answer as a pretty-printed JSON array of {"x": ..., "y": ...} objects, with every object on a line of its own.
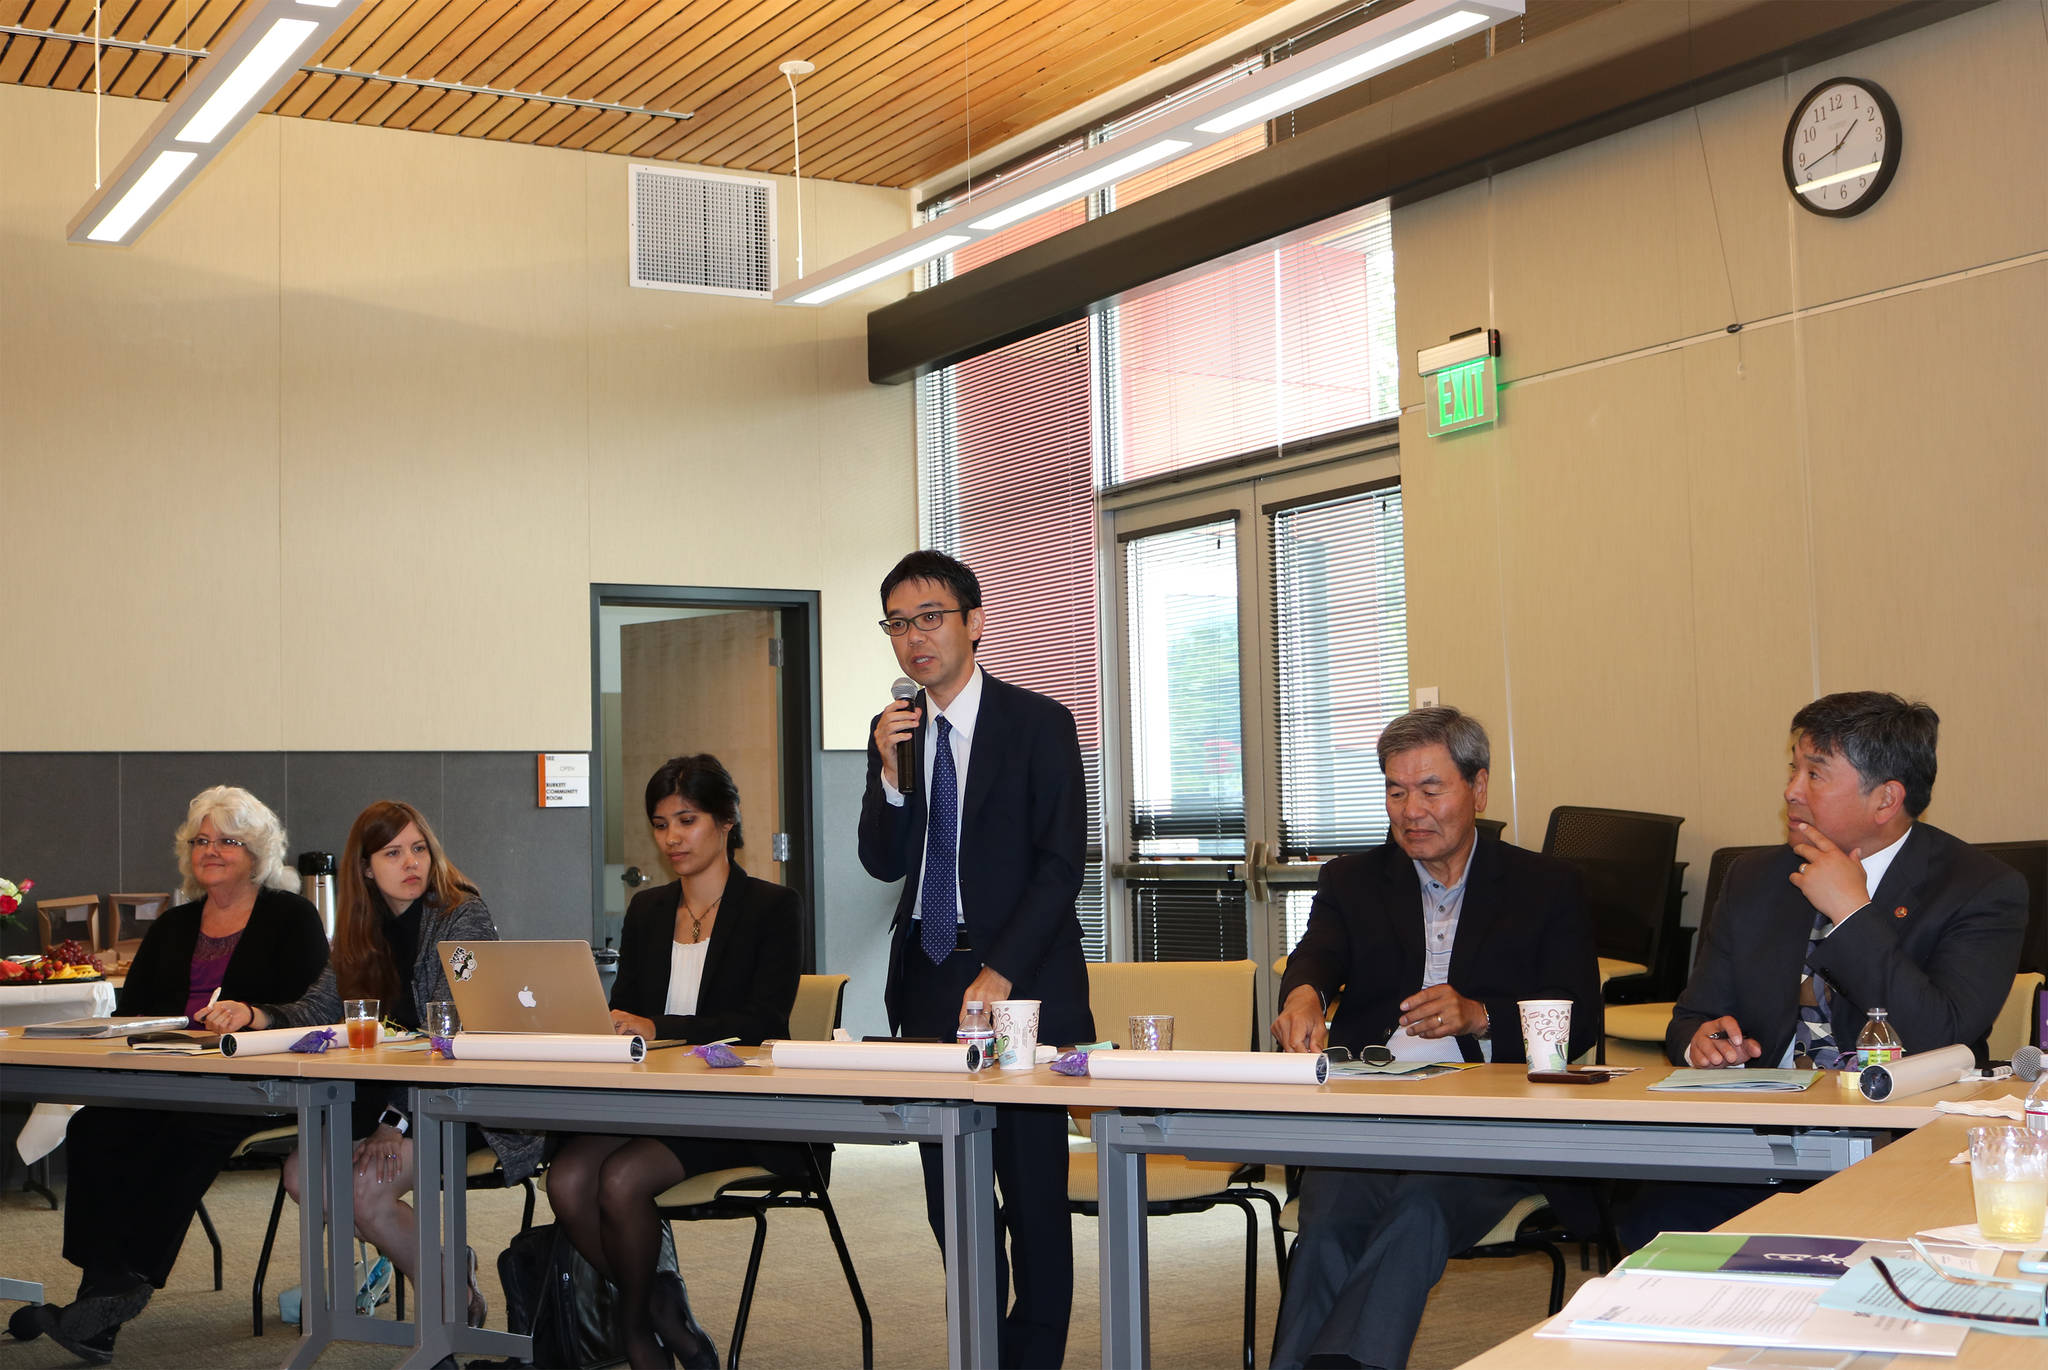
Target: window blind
[
  {"x": 1340, "y": 653},
  {"x": 1005, "y": 459},
  {"x": 1259, "y": 352},
  {"x": 1187, "y": 764},
  {"x": 1179, "y": 920}
]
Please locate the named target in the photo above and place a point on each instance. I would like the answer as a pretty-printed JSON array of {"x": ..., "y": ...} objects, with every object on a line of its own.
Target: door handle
[{"x": 1255, "y": 871}]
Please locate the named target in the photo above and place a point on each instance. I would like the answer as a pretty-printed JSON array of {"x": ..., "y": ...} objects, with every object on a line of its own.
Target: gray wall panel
[
  {"x": 60, "y": 826},
  {"x": 155, "y": 787},
  {"x": 853, "y": 907},
  {"x": 330, "y": 788},
  {"x": 533, "y": 864}
]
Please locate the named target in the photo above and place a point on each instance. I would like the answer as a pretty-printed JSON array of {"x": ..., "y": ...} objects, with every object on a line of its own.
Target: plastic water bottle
[
  {"x": 1878, "y": 1045},
  {"x": 977, "y": 1029},
  {"x": 2037, "y": 1106}
]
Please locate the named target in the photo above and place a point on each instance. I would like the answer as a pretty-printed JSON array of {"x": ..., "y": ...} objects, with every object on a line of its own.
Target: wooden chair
[
  {"x": 1213, "y": 1010},
  {"x": 74, "y": 918},
  {"x": 128, "y": 919},
  {"x": 751, "y": 1191}
]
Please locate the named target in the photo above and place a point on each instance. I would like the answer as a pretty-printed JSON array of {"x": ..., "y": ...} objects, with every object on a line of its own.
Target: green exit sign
[{"x": 1464, "y": 398}]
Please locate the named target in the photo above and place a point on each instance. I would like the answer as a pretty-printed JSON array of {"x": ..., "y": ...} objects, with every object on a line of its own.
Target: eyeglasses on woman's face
[{"x": 226, "y": 844}]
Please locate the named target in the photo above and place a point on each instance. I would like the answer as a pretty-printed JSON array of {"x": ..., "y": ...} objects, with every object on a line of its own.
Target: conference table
[
  {"x": 1906, "y": 1188},
  {"x": 1488, "y": 1119},
  {"x": 671, "y": 1091}
]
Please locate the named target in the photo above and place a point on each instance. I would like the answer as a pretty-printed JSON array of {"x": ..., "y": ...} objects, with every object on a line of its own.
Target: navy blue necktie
[{"x": 938, "y": 897}]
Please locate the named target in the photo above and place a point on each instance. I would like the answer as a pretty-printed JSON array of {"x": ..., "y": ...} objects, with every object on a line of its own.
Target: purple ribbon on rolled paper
[
  {"x": 1071, "y": 1063},
  {"x": 717, "y": 1055},
  {"x": 314, "y": 1042},
  {"x": 444, "y": 1045}
]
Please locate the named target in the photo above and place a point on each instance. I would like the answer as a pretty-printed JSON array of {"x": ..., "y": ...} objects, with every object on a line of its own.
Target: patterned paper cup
[
  {"x": 1016, "y": 1033},
  {"x": 1546, "y": 1033}
]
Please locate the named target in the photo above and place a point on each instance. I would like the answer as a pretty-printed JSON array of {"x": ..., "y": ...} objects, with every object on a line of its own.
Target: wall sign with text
[
  {"x": 564, "y": 780},
  {"x": 1460, "y": 388}
]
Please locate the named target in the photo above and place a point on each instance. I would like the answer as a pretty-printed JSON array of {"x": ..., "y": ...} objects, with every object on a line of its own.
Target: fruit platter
[{"x": 69, "y": 962}]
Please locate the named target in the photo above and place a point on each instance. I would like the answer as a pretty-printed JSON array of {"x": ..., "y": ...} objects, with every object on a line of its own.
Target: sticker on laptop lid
[{"x": 462, "y": 963}]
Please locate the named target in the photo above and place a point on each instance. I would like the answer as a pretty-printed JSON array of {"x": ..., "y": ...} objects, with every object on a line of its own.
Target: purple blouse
[{"x": 210, "y": 957}]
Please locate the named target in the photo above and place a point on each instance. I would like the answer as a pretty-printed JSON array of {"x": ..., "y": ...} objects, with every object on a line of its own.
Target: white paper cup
[
  {"x": 1017, "y": 1030},
  {"x": 1546, "y": 1033}
]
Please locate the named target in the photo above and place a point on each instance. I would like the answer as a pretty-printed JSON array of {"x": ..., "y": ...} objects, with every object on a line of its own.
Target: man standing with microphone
[{"x": 989, "y": 836}]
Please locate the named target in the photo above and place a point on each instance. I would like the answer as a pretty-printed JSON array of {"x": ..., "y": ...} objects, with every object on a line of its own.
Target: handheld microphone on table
[
  {"x": 906, "y": 751},
  {"x": 2026, "y": 1062}
]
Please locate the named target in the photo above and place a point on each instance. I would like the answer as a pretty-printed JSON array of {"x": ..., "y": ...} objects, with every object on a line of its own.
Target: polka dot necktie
[{"x": 938, "y": 898}]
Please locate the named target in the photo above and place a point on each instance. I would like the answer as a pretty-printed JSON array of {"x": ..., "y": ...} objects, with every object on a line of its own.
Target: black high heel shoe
[{"x": 668, "y": 1307}]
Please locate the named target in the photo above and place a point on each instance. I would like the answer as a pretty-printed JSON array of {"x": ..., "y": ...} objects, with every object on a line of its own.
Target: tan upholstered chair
[
  {"x": 2014, "y": 1026},
  {"x": 750, "y": 1191},
  {"x": 1213, "y": 1010}
]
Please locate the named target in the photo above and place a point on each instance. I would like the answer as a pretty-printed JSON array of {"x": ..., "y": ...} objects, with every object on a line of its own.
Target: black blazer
[
  {"x": 1023, "y": 847},
  {"x": 282, "y": 952},
  {"x": 750, "y": 970},
  {"x": 1523, "y": 933},
  {"x": 1936, "y": 948}
]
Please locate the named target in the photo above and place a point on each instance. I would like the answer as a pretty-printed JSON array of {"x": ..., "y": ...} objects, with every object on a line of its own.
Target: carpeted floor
[{"x": 802, "y": 1317}]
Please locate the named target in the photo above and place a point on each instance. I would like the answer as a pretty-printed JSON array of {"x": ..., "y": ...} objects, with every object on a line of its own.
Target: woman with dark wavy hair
[
  {"x": 397, "y": 897},
  {"x": 714, "y": 954}
]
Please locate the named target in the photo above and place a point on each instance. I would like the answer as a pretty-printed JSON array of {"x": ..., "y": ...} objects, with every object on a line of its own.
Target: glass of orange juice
[
  {"x": 2009, "y": 1171},
  {"x": 361, "y": 1017}
]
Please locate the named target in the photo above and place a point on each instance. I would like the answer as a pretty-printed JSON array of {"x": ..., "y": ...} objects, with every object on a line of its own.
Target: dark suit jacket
[
  {"x": 1023, "y": 846},
  {"x": 1523, "y": 933},
  {"x": 282, "y": 952},
  {"x": 1936, "y": 948},
  {"x": 750, "y": 971}
]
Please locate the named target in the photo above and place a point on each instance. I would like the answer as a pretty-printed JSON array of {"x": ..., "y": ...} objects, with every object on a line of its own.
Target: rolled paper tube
[
  {"x": 1214, "y": 1067},
  {"x": 1920, "y": 1071},
  {"x": 546, "y": 1046},
  {"x": 271, "y": 1041},
  {"x": 935, "y": 1057}
]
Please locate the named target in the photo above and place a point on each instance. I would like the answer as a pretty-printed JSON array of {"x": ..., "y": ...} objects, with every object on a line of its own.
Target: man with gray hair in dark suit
[{"x": 1432, "y": 939}]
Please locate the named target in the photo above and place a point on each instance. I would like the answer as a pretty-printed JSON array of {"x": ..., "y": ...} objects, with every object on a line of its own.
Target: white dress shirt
[{"x": 961, "y": 714}]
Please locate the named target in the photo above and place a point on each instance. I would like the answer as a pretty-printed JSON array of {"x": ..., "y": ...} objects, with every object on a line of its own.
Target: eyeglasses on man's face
[
  {"x": 224, "y": 843},
  {"x": 926, "y": 622}
]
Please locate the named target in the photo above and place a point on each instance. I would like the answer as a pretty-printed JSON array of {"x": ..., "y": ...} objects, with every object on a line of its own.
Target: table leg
[
  {"x": 434, "y": 1141},
  {"x": 326, "y": 1286},
  {"x": 968, "y": 1156},
  {"x": 1120, "y": 1201}
]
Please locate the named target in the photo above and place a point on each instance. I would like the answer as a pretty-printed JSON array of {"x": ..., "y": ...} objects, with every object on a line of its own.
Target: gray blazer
[{"x": 518, "y": 1152}]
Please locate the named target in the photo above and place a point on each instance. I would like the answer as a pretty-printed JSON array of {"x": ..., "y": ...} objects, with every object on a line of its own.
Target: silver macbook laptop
[{"x": 525, "y": 987}]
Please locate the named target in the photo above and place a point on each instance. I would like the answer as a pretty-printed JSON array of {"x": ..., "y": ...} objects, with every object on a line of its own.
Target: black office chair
[
  {"x": 1490, "y": 827},
  {"x": 1645, "y": 1022},
  {"x": 2031, "y": 860},
  {"x": 1629, "y": 862}
]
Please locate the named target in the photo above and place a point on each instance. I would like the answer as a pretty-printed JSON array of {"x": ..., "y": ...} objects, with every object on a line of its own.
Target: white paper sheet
[
  {"x": 1213, "y": 1067},
  {"x": 270, "y": 1041},
  {"x": 1706, "y": 1312},
  {"x": 546, "y": 1046},
  {"x": 936, "y": 1057}
]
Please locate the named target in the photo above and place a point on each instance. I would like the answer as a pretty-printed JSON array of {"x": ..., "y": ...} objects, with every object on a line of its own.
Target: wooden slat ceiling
[{"x": 899, "y": 87}]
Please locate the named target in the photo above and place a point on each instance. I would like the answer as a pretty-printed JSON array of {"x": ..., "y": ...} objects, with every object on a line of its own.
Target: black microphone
[{"x": 906, "y": 751}]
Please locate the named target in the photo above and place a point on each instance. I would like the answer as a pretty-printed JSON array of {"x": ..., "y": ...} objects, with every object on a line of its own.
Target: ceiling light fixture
[
  {"x": 248, "y": 63},
  {"x": 1375, "y": 46}
]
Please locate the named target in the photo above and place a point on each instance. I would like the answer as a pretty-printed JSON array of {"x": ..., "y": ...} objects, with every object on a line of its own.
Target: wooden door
[{"x": 703, "y": 684}]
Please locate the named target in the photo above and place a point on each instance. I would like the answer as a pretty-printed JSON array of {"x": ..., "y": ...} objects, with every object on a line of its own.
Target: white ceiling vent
[{"x": 695, "y": 231}]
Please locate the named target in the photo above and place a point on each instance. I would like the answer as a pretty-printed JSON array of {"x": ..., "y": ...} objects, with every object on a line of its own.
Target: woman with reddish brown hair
[{"x": 397, "y": 897}]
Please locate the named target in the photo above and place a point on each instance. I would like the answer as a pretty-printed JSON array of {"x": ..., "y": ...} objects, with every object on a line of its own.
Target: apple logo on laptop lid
[{"x": 526, "y": 999}]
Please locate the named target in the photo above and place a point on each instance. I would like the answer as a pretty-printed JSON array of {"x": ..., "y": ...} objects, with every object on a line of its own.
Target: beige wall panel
[
  {"x": 1931, "y": 506},
  {"x": 1585, "y": 251},
  {"x": 1442, "y": 272},
  {"x": 1598, "y": 575},
  {"x": 436, "y": 564},
  {"x": 1972, "y": 187},
  {"x": 1749, "y": 589},
  {"x": 737, "y": 444},
  {"x": 1451, "y": 525},
  {"x": 138, "y": 448},
  {"x": 1734, "y": 224}
]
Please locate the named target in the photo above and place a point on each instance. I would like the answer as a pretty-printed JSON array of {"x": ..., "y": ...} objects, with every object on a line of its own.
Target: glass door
[{"x": 1260, "y": 645}]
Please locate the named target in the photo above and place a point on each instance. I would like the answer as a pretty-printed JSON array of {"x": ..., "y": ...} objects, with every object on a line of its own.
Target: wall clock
[{"x": 1842, "y": 147}]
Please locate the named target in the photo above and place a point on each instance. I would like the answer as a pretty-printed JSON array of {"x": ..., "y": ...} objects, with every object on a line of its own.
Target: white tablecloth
[{"x": 23, "y": 1004}]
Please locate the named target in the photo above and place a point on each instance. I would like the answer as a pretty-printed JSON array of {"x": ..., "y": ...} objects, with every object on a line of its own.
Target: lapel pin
[{"x": 1899, "y": 912}]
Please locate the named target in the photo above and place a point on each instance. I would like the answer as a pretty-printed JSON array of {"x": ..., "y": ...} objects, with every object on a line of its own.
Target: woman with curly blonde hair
[{"x": 245, "y": 933}]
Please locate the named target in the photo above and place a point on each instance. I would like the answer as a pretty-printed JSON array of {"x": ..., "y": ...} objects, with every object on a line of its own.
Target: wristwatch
[{"x": 395, "y": 1120}]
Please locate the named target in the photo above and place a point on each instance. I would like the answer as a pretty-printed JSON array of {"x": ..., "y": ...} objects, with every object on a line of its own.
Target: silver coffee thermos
[{"x": 316, "y": 882}]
